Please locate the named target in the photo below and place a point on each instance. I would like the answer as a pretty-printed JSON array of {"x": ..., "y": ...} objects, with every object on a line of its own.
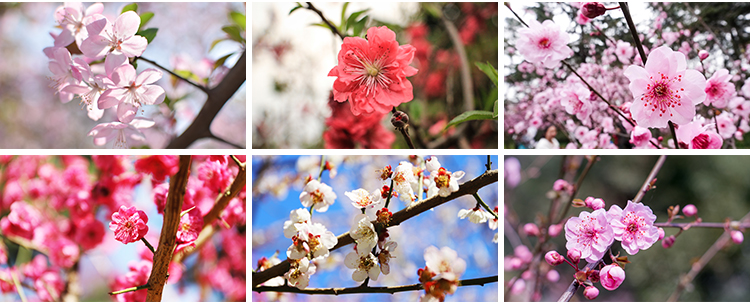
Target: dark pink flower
[
  {"x": 696, "y": 136},
  {"x": 634, "y": 226},
  {"x": 589, "y": 233},
  {"x": 737, "y": 237},
  {"x": 347, "y": 131},
  {"x": 49, "y": 286},
  {"x": 89, "y": 232},
  {"x": 129, "y": 224},
  {"x": 110, "y": 164},
  {"x": 593, "y": 9},
  {"x": 190, "y": 226},
  {"x": 21, "y": 221},
  {"x": 63, "y": 252},
  {"x": 160, "y": 166},
  {"x": 372, "y": 73},
  {"x": 138, "y": 275},
  {"x": 553, "y": 258},
  {"x": 719, "y": 89},
  {"x": 215, "y": 175},
  {"x": 590, "y": 292},
  {"x": 611, "y": 276}
]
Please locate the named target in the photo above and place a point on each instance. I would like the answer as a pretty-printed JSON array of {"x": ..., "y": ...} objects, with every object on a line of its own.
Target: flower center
[
  {"x": 661, "y": 96},
  {"x": 317, "y": 196},
  {"x": 544, "y": 43},
  {"x": 366, "y": 263},
  {"x": 701, "y": 141}
]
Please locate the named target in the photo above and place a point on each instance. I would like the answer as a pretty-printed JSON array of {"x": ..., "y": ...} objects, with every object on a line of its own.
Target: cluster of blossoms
[
  {"x": 707, "y": 111},
  {"x": 441, "y": 273},
  {"x": 103, "y": 76},
  {"x": 59, "y": 207}
]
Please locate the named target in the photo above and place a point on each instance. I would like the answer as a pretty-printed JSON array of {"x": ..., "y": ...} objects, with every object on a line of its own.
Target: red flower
[{"x": 129, "y": 224}]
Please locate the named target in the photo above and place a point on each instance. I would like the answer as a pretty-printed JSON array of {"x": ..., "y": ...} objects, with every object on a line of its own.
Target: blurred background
[
  {"x": 292, "y": 58},
  {"x": 716, "y": 185},
  {"x": 33, "y": 116},
  {"x": 278, "y": 182}
]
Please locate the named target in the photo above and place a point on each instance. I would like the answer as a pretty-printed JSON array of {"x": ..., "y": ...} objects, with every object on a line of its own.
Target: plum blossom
[
  {"x": 590, "y": 234},
  {"x": 553, "y": 258},
  {"x": 405, "y": 182},
  {"x": 66, "y": 72},
  {"x": 575, "y": 99},
  {"x": 363, "y": 232},
  {"x": 318, "y": 195},
  {"x": 624, "y": 52},
  {"x": 117, "y": 38},
  {"x": 132, "y": 90},
  {"x": 737, "y": 237},
  {"x": 129, "y": 224},
  {"x": 543, "y": 43},
  {"x": 191, "y": 224},
  {"x": 366, "y": 265},
  {"x": 634, "y": 226},
  {"x": 641, "y": 137},
  {"x": 611, "y": 276},
  {"x": 445, "y": 262},
  {"x": 124, "y": 134},
  {"x": 476, "y": 215},
  {"x": 372, "y": 73},
  {"x": 296, "y": 217},
  {"x": 719, "y": 89},
  {"x": 314, "y": 239},
  {"x": 665, "y": 90},
  {"x": 363, "y": 199},
  {"x": 299, "y": 275},
  {"x": 443, "y": 182},
  {"x": 590, "y": 292},
  {"x": 725, "y": 124},
  {"x": 21, "y": 221},
  {"x": 696, "y": 136},
  {"x": 384, "y": 257}
]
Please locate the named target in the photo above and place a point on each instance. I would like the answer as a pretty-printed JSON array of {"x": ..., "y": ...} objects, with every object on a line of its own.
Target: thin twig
[
  {"x": 631, "y": 25},
  {"x": 334, "y": 29},
  {"x": 674, "y": 135},
  {"x": 702, "y": 224},
  {"x": 359, "y": 289},
  {"x": 201, "y": 87},
  {"x": 651, "y": 176}
]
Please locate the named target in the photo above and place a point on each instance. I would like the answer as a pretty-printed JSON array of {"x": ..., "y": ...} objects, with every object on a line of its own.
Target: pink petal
[
  {"x": 111, "y": 97},
  {"x": 96, "y": 8},
  {"x": 97, "y": 25},
  {"x": 126, "y": 25},
  {"x": 114, "y": 61},
  {"x": 124, "y": 75},
  {"x": 153, "y": 94},
  {"x": 126, "y": 112},
  {"x": 148, "y": 76},
  {"x": 134, "y": 46},
  {"x": 95, "y": 46}
]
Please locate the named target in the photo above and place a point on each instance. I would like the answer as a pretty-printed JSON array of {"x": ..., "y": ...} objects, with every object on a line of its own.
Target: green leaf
[
  {"x": 343, "y": 16},
  {"x": 149, "y": 34},
  {"x": 320, "y": 24},
  {"x": 234, "y": 33},
  {"x": 239, "y": 19},
  {"x": 470, "y": 115},
  {"x": 489, "y": 70},
  {"x": 145, "y": 18},
  {"x": 495, "y": 114},
  {"x": 359, "y": 26},
  {"x": 215, "y": 42},
  {"x": 221, "y": 60},
  {"x": 130, "y": 7},
  {"x": 299, "y": 6},
  {"x": 353, "y": 17}
]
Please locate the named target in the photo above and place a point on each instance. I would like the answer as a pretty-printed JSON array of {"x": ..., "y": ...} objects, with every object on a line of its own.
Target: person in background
[{"x": 549, "y": 141}]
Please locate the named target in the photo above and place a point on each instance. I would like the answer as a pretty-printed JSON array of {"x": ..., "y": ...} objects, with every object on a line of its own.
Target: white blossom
[
  {"x": 363, "y": 232},
  {"x": 365, "y": 265},
  {"x": 318, "y": 195}
]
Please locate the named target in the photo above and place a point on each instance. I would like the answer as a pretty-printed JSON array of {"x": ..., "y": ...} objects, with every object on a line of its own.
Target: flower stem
[
  {"x": 148, "y": 245},
  {"x": 674, "y": 135},
  {"x": 489, "y": 163},
  {"x": 131, "y": 289},
  {"x": 390, "y": 193},
  {"x": 334, "y": 29},
  {"x": 201, "y": 87},
  {"x": 481, "y": 202},
  {"x": 322, "y": 167}
]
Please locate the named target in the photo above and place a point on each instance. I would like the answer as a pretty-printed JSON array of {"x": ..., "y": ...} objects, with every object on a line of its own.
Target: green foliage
[
  {"x": 239, "y": 19},
  {"x": 489, "y": 70},
  {"x": 472, "y": 115},
  {"x": 234, "y": 33},
  {"x": 130, "y": 7},
  {"x": 149, "y": 34},
  {"x": 145, "y": 18}
]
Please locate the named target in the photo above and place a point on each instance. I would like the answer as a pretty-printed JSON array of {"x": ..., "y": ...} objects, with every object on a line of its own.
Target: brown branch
[
  {"x": 353, "y": 290},
  {"x": 334, "y": 29},
  {"x": 216, "y": 98},
  {"x": 168, "y": 237},
  {"x": 201, "y": 87},
  {"x": 344, "y": 239}
]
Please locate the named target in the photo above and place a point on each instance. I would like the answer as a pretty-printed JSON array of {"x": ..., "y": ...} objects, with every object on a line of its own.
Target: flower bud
[
  {"x": 553, "y": 258},
  {"x": 590, "y": 292},
  {"x": 737, "y": 237},
  {"x": 667, "y": 242},
  {"x": 594, "y": 276},
  {"x": 596, "y": 204},
  {"x": 555, "y": 229},
  {"x": 593, "y": 9},
  {"x": 574, "y": 256},
  {"x": 661, "y": 233},
  {"x": 611, "y": 276},
  {"x": 399, "y": 119},
  {"x": 553, "y": 276},
  {"x": 559, "y": 185},
  {"x": 527, "y": 275},
  {"x": 588, "y": 200},
  {"x": 531, "y": 229},
  {"x": 689, "y": 210},
  {"x": 518, "y": 287},
  {"x": 703, "y": 54}
]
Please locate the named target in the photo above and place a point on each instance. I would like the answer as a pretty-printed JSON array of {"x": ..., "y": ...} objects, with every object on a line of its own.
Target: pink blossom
[
  {"x": 523, "y": 253},
  {"x": 661, "y": 233},
  {"x": 191, "y": 224},
  {"x": 560, "y": 185},
  {"x": 129, "y": 224},
  {"x": 531, "y": 229},
  {"x": 574, "y": 255},
  {"x": 737, "y": 237},
  {"x": 159, "y": 166},
  {"x": 596, "y": 204},
  {"x": 63, "y": 252},
  {"x": 215, "y": 175},
  {"x": 668, "y": 242},
  {"x": 589, "y": 233},
  {"x": 137, "y": 275},
  {"x": 117, "y": 38},
  {"x": 66, "y": 72},
  {"x": 695, "y": 136},
  {"x": 634, "y": 226},
  {"x": 611, "y": 276},
  {"x": 624, "y": 52},
  {"x": 719, "y": 89},
  {"x": 555, "y": 229},
  {"x": 512, "y": 172},
  {"x": 689, "y": 210},
  {"x": 640, "y": 137},
  {"x": 73, "y": 19},
  {"x": 21, "y": 221},
  {"x": 372, "y": 73},
  {"x": 130, "y": 91},
  {"x": 543, "y": 43},
  {"x": 590, "y": 292},
  {"x": 726, "y": 126},
  {"x": 49, "y": 286},
  {"x": 665, "y": 90},
  {"x": 703, "y": 54},
  {"x": 553, "y": 276},
  {"x": 553, "y": 258},
  {"x": 125, "y": 135}
]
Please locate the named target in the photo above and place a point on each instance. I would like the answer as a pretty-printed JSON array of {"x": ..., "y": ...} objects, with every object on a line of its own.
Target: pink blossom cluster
[{"x": 112, "y": 82}]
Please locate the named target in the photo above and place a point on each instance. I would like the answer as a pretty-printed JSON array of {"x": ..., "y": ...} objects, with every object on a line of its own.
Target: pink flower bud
[
  {"x": 661, "y": 233},
  {"x": 596, "y": 204},
  {"x": 527, "y": 275},
  {"x": 553, "y": 276},
  {"x": 737, "y": 237},
  {"x": 559, "y": 185},
  {"x": 588, "y": 201},
  {"x": 518, "y": 287},
  {"x": 590, "y": 292},
  {"x": 667, "y": 242},
  {"x": 593, "y": 9},
  {"x": 553, "y": 258},
  {"x": 611, "y": 276},
  {"x": 531, "y": 229},
  {"x": 555, "y": 229},
  {"x": 523, "y": 253},
  {"x": 574, "y": 256},
  {"x": 703, "y": 54},
  {"x": 689, "y": 210}
]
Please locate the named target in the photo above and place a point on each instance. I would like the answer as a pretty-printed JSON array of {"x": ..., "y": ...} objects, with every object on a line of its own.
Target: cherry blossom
[
  {"x": 124, "y": 134},
  {"x": 543, "y": 43},
  {"x": 611, "y": 276},
  {"x": 132, "y": 90},
  {"x": 695, "y": 136},
  {"x": 191, "y": 224},
  {"x": 634, "y": 226},
  {"x": 318, "y": 195},
  {"x": 719, "y": 89},
  {"x": 66, "y": 72},
  {"x": 22, "y": 220},
  {"x": 129, "y": 224},
  {"x": 299, "y": 275},
  {"x": 665, "y": 90},
  {"x": 590, "y": 292},
  {"x": 117, "y": 38},
  {"x": 312, "y": 239},
  {"x": 73, "y": 19},
  {"x": 363, "y": 232},
  {"x": 366, "y": 265},
  {"x": 641, "y": 137},
  {"x": 589, "y": 233},
  {"x": 371, "y": 74}
]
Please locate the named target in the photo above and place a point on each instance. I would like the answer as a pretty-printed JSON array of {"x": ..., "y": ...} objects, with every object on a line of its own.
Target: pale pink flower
[
  {"x": 314, "y": 239},
  {"x": 689, "y": 210},
  {"x": 611, "y": 276},
  {"x": 719, "y": 89},
  {"x": 543, "y": 43},
  {"x": 634, "y": 226},
  {"x": 318, "y": 195},
  {"x": 476, "y": 215},
  {"x": 665, "y": 90},
  {"x": 384, "y": 257},
  {"x": 117, "y": 38},
  {"x": 73, "y": 19},
  {"x": 372, "y": 73},
  {"x": 49, "y": 286},
  {"x": 365, "y": 263},
  {"x": 696, "y": 136},
  {"x": 552, "y": 276},
  {"x": 640, "y": 137},
  {"x": 590, "y": 234},
  {"x": 66, "y": 72},
  {"x": 624, "y": 52},
  {"x": 575, "y": 99},
  {"x": 530, "y": 229},
  {"x": 125, "y": 135},
  {"x": 132, "y": 90},
  {"x": 726, "y": 126},
  {"x": 737, "y": 237},
  {"x": 363, "y": 232},
  {"x": 129, "y": 224}
]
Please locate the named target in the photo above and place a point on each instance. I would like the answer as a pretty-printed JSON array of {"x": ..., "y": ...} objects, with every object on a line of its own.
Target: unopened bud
[
  {"x": 661, "y": 233},
  {"x": 593, "y": 9},
  {"x": 689, "y": 210},
  {"x": 531, "y": 229},
  {"x": 553, "y": 258},
  {"x": 399, "y": 119},
  {"x": 667, "y": 242},
  {"x": 703, "y": 54},
  {"x": 594, "y": 276},
  {"x": 737, "y": 237},
  {"x": 574, "y": 256},
  {"x": 590, "y": 292},
  {"x": 555, "y": 230}
]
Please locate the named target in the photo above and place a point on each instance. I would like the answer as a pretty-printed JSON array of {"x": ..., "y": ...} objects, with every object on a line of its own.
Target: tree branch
[
  {"x": 359, "y": 289},
  {"x": 201, "y": 87},
  {"x": 216, "y": 98},
  {"x": 168, "y": 238},
  {"x": 334, "y": 29},
  {"x": 407, "y": 213}
]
